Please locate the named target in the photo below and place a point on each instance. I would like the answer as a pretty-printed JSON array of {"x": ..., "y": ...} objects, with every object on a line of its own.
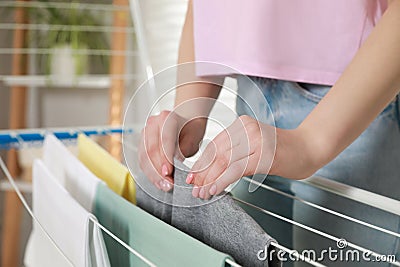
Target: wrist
[
  {"x": 192, "y": 126},
  {"x": 191, "y": 133},
  {"x": 296, "y": 156}
]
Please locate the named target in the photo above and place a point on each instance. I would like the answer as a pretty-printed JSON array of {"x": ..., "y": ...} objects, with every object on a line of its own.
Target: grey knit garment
[
  {"x": 154, "y": 205},
  {"x": 221, "y": 224}
]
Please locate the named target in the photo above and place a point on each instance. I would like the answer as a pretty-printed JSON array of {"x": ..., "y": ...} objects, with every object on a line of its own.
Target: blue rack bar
[{"x": 13, "y": 137}]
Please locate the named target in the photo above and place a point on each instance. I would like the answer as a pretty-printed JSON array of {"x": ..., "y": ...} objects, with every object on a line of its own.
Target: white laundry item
[
  {"x": 65, "y": 221},
  {"x": 80, "y": 182},
  {"x": 38, "y": 245},
  {"x": 64, "y": 215},
  {"x": 70, "y": 172},
  {"x": 40, "y": 251}
]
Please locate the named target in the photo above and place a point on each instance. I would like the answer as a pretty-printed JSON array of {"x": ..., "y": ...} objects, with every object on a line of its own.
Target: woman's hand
[
  {"x": 159, "y": 144},
  {"x": 245, "y": 148}
]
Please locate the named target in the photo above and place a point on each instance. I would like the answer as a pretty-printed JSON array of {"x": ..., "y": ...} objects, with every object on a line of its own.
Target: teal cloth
[{"x": 157, "y": 241}]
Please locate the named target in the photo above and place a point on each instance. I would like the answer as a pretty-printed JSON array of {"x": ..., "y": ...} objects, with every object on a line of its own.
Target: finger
[
  {"x": 152, "y": 142},
  {"x": 209, "y": 175},
  {"x": 215, "y": 167},
  {"x": 221, "y": 164},
  {"x": 144, "y": 160},
  {"x": 162, "y": 183},
  {"x": 199, "y": 169},
  {"x": 233, "y": 173},
  {"x": 168, "y": 135},
  {"x": 196, "y": 191},
  {"x": 152, "y": 158},
  {"x": 227, "y": 151},
  {"x": 220, "y": 144},
  {"x": 147, "y": 167}
]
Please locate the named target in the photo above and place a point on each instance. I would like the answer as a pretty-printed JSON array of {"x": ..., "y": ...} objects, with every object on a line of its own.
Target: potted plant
[{"x": 68, "y": 42}]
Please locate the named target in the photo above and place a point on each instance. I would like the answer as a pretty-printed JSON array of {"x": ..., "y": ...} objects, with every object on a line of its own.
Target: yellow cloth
[{"x": 107, "y": 168}]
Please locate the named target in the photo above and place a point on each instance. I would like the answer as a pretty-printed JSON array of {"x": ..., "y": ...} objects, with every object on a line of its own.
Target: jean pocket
[
  {"x": 316, "y": 92},
  {"x": 313, "y": 92}
]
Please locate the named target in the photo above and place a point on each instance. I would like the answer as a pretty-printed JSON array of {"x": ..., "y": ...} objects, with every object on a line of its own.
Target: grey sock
[
  {"x": 220, "y": 223},
  {"x": 153, "y": 200}
]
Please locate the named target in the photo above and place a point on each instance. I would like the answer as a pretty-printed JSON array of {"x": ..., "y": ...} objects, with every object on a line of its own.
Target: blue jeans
[{"x": 372, "y": 162}]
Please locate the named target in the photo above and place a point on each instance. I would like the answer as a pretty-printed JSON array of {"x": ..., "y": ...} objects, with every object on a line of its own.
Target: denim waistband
[{"x": 318, "y": 89}]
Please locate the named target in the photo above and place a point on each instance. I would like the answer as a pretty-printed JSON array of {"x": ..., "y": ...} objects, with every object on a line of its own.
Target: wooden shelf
[{"x": 89, "y": 81}]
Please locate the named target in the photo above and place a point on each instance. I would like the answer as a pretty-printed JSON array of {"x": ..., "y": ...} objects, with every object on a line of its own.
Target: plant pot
[{"x": 66, "y": 64}]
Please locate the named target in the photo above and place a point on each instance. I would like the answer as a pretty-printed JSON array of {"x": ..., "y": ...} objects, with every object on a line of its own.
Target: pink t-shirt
[{"x": 298, "y": 40}]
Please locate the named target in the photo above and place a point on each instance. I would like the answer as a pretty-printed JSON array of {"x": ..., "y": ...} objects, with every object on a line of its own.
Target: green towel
[{"x": 157, "y": 241}]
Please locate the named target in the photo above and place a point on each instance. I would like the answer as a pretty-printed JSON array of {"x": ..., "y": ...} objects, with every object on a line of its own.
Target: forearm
[
  {"x": 366, "y": 87},
  {"x": 193, "y": 87}
]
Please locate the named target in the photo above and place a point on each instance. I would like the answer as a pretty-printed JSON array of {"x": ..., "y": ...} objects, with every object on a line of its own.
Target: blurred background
[{"x": 75, "y": 63}]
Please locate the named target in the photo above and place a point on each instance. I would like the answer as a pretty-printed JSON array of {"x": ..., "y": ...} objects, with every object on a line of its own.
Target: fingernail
[
  {"x": 166, "y": 186},
  {"x": 195, "y": 191},
  {"x": 202, "y": 191},
  {"x": 189, "y": 178},
  {"x": 164, "y": 170},
  {"x": 213, "y": 189}
]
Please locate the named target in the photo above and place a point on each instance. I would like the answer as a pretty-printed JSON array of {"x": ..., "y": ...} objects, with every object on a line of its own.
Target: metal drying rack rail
[
  {"x": 14, "y": 137},
  {"x": 20, "y": 138}
]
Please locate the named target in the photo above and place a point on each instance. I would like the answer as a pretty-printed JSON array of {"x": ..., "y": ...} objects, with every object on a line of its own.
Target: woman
[{"x": 332, "y": 68}]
